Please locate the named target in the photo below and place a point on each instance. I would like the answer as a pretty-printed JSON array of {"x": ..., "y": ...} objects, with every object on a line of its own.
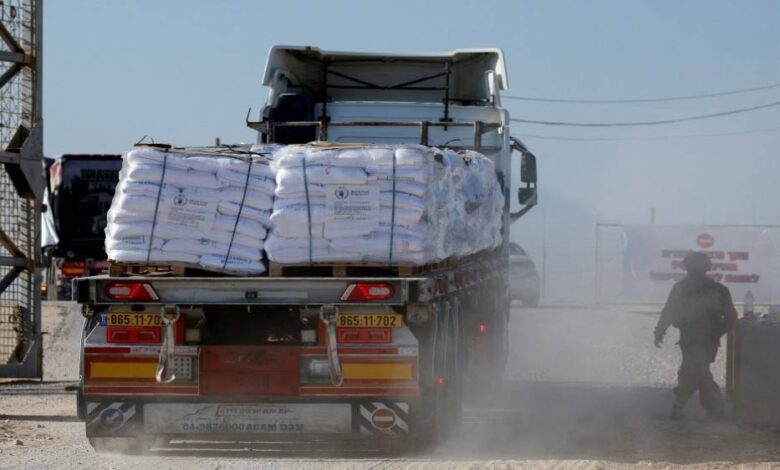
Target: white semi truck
[{"x": 374, "y": 355}]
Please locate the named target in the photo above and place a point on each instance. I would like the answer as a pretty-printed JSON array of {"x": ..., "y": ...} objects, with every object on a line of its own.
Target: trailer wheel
[
  {"x": 81, "y": 404},
  {"x": 531, "y": 301},
  {"x": 441, "y": 410},
  {"x": 121, "y": 445}
]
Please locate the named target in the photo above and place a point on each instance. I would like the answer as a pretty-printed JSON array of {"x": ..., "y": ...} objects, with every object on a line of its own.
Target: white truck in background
[{"x": 370, "y": 354}]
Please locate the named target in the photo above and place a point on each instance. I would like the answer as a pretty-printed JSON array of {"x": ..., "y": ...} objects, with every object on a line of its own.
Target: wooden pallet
[
  {"x": 135, "y": 269},
  {"x": 351, "y": 269}
]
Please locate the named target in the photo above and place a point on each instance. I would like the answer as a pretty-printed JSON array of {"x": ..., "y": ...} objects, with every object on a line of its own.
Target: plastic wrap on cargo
[
  {"x": 207, "y": 208},
  {"x": 403, "y": 204}
]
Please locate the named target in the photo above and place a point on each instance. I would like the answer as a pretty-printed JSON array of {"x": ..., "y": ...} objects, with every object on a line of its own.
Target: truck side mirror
[
  {"x": 526, "y": 196},
  {"x": 528, "y": 168}
]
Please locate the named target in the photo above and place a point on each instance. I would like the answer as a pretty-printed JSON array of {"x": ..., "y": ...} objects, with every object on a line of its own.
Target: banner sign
[{"x": 741, "y": 259}]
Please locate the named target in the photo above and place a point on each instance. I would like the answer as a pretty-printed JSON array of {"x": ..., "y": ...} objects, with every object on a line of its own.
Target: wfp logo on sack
[
  {"x": 180, "y": 200},
  {"x": 341, "y": 193}
]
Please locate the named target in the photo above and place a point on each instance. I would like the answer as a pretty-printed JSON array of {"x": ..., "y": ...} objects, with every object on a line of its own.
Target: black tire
[
  {"x": 81, "y": 404},
  {"x": 531, "y": 301},
  {"x": 120, "y": 445},
  {"x": 441, "y": 410}
]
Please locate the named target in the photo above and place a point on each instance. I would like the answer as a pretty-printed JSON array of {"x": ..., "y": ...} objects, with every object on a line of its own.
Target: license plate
[
  {"x": 133, "y": 319},
  {"x": 362, "y": 320}
]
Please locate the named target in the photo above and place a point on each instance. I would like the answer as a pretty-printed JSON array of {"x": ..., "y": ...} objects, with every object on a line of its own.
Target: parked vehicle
[
  {"x": 523, "y": 278},
  {"x": 377, "y": 355},
  {"x": 79, "y": 188}
]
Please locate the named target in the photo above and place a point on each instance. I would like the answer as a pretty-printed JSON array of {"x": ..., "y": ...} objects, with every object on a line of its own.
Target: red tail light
[
  {"x": 133, "y": 335},
  {"x": 134, "y": 291},
  {"x": 482, "y": 328},
  {"x": 368, "y": 291},
  {"x": 73, "y": 268},
  {"x": 142, "y": 334},
  {"x": 364, "y": 335}
]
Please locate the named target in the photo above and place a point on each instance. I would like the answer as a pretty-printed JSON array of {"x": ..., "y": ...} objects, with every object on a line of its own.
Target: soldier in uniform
[{"x": 702, "y": 310}]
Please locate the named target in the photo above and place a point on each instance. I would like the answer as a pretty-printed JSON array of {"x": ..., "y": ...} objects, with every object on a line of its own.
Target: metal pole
[
  {"x": 596, "y": 263},
  {"x": 544, "y": 271}
]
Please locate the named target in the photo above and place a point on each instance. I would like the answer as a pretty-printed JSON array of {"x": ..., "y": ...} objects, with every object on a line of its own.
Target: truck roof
[{"x": 351, "y": 76}]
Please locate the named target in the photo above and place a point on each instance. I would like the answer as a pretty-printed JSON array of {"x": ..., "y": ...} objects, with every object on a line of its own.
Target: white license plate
[{"x": 216, "y": 418}]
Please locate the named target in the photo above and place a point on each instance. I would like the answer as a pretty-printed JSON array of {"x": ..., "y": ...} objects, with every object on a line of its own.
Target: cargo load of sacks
[
  {"x": 404, "y": 204},
  {"x": 208, "y": 208}
]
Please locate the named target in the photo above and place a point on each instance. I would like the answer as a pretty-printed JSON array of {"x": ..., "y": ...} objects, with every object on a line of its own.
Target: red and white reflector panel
[
  {"x": 368, "y": 291},
  {"x": 364, "y": 335},
  {"x": 134, "y": 291},
  {"x": 133, "y": 335}
]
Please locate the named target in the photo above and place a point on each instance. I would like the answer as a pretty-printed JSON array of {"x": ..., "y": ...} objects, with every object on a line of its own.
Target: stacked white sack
[
  {"x": 347, "y": 204},
  {"x": 478, "y": 204},
  {"x": 209, "y": 208}
]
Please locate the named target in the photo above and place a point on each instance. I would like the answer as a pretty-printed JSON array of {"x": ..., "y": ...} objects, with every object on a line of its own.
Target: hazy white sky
[{"x": 186, "y": 71}]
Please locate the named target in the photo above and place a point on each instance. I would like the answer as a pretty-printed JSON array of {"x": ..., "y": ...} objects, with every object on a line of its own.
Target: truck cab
[{"x": 79, "y": 189}]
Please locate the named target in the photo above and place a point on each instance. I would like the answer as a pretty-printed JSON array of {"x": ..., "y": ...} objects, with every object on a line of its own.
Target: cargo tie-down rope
[
  {"x": 238, "y": 215},
  {"x": 308, "y": 208},
  {"x": 157, "y": 207},
  {"x": 392, "y": 214}
]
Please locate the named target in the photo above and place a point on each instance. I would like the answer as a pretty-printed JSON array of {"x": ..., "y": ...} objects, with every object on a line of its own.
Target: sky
[{"x": 186, "y": 72}]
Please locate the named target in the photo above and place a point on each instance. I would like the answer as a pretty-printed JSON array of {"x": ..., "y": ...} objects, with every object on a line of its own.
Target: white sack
[
  {"x": 432, "y": 204},
  {"x": 195, "y": 209},
  {"x": 213, "y": 247}
]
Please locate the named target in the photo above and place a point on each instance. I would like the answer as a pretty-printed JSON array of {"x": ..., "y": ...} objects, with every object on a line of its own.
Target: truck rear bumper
[{"x": 366, "y": 417}]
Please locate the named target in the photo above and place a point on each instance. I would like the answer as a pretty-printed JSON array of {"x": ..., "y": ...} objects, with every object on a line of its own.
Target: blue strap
[
  {"x": 157, "y": 207},
  {"x": 308, "y": 208},
  {"x": 392, "y": 217},
  {"x": 238, "y": 216}
]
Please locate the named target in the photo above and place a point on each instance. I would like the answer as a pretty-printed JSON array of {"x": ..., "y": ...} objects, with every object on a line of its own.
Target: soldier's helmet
[{"x": 697, "y": 263}]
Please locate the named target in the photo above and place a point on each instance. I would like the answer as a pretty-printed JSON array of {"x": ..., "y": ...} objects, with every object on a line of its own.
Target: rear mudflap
[
  {"x": 380, "y": 417},
  {"x": 114, "y": 418},
  {"x": 364, "y": 417}
]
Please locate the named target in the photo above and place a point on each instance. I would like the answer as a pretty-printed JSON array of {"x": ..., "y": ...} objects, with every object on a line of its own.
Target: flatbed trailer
[{"x": 377, "y": 354}]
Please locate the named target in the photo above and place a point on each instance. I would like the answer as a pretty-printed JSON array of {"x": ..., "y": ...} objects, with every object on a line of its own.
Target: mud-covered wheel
[
  {"x": 122, "y": 445},
  {"x": 81, "y": 404},
  {"x": 441, "y": 411},
  {"x": 531, "y": 301},
  {"x": 397, "y": 446},
  {"x": 437, "y": 421}
]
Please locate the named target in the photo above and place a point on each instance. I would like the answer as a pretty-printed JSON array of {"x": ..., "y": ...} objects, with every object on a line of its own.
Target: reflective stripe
[
  {"x": 122, "y": 370},
  {"x": 364, "y": 371}
]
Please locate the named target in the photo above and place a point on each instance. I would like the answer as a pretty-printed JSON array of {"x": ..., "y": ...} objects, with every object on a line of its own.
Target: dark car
[{"x": 523, "y": 277}]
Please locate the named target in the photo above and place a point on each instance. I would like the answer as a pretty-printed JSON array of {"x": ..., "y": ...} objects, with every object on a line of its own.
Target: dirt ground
[{"x": 584, "y": 389}]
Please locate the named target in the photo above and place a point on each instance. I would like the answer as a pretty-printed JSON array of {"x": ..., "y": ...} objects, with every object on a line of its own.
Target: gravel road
[{"x": 584, "y": 389}]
